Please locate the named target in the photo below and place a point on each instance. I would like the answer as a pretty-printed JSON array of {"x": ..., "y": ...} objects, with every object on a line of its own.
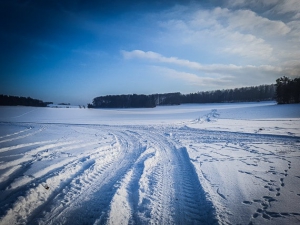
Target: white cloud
[
  {"x": 240, "y": 32},
  {"x": 295, "y": 29},
  {"x": 212, "y": 68},
  {"x": 243, "y": 47},
  {"x": 248, "y": 21},
  {"x": 292, "y": 68},
  {"x": 157, "y": 57},
  {"x": 259, "y": 3},
  {"x": 217, "y": 81},
  {"x": 275, "y": 6},
  {"x": 236, "y": 34},
  {"x": 296, "y": 16},
  {"x": 214, "y": 76},
  {"x": 193, "y": 79},
  {"x": 287, "y": 6}
]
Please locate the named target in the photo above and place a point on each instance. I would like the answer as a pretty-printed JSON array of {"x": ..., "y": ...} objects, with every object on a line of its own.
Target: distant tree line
[
  {"x": 123, "y": 101},
  {"x": 15, "y": 100},
  {"x": 287, "y": 90},
  {"x": 246, "y": 94}
]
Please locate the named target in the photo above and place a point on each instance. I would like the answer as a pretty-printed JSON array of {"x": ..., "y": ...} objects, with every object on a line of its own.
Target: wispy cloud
[
  {"x": 273, "y": 6},
  {"x": 212, "y": 68},
  {"x": 193, "y": 79},
  {"x": 209, "y": 76},
  {"x": 239, "y": 32},
  {"x": 248, "y": 21},
  {"x": 242, "y": 33}
]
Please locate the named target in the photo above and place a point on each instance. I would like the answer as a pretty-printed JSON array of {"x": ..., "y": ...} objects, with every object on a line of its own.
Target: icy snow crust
[{"x": 188, "y": 164}]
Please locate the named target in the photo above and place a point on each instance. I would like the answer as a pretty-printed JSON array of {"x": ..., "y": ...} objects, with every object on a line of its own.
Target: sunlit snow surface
[{"x": 188, "y": 164}]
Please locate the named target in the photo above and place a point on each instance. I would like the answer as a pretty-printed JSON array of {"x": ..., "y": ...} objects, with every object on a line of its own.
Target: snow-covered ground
[{"x": 188, "y": 164}]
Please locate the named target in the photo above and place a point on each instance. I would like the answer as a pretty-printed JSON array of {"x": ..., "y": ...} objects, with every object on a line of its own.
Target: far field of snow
[{"x": 235, "y": 163}]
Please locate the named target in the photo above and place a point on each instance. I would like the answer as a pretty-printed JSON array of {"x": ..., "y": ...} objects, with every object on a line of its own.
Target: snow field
[{"x": 195, "y": 167}]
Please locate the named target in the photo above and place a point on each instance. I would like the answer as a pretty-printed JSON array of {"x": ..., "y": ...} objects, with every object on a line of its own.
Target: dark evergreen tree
[
  {"x": 296, "y": 90},
  {"x": 283, "y": 90},
  {"x": 287, "y": 90},
  {"x": 15, "y": 100}
]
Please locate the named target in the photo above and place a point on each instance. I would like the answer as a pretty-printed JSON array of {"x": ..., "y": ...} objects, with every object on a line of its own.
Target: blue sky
[{"x": 70, "y": 51}]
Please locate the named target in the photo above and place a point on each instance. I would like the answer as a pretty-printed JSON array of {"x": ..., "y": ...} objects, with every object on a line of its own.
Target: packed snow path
[{"x": 96, "y": 174}]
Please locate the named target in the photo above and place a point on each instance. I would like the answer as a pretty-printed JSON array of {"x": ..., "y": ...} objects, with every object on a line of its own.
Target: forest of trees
[
  {"x": 287, "y": 90},
  {"x": 246, "y": 94},
  {"x": 15, "y": 100},
  {"x": 123, "y": 101}
]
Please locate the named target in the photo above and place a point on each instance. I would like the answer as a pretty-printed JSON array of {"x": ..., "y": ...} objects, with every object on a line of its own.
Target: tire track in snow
[
  {"x": 21, "y": 202},
  {"x": 23, "y": 136},
  {"x": 162, "y": 187},
  {"x": 81, "y": 183},
  {"x": 18, "y": 187},
  {"x": 48, "y": 169},
  {"x": 29, "y": 204},
  {"x": 28, "y": 156},
  {"x": 168, "y": 188},
  {"x": 13, "y": 147},
  {"x": 187, "y": 200},
  {"x": 161, "y": 205},
  {"x": 16, "y": 168},
  {"x": 93, "y": 206},
  {"x": 124, "y": 205},
  {"x": 136, "y": 175},
  {"x": 193, "y": 202},
  {"x": 16, "y": 133}
]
